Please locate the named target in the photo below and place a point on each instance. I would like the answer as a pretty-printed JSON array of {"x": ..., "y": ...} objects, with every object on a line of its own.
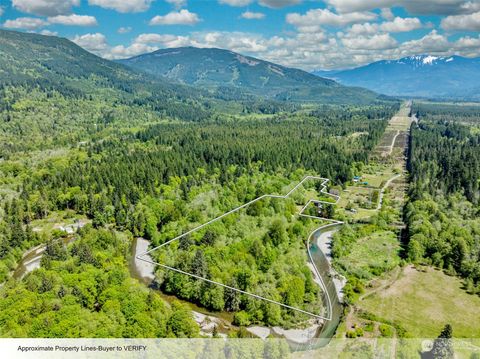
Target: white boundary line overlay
[{"x": 332, "y": 222}]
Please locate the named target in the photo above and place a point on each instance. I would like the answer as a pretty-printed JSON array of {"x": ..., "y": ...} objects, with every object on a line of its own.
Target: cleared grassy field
[
  {"x": 395, "y": 136},
  {"x": 423, "y": 301},
  {"x": 373, "y": 254},
  {"x": 401, "y": 123},
  {"x": 57, "y": 220},
  {"x": 387, "y": 137}
]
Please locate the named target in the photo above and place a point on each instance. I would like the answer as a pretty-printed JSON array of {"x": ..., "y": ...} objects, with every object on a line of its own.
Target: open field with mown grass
[{"x": 423, "y": 301}]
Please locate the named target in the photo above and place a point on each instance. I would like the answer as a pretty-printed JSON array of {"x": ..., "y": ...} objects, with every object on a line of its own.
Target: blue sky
[{"x": 309, "y": 34}]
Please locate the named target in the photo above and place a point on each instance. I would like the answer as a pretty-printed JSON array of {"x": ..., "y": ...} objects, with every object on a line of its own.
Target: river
[
  {"x": 320, "y": 253},
  {"x": 32, "y": 258}
]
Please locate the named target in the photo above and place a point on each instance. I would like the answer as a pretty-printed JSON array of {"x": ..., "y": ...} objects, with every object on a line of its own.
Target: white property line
[{"x": 332, "y": 223}]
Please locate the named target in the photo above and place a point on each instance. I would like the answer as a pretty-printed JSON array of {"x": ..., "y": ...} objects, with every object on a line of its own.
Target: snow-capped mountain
[
  {"x": 428, "y": 76},
  {"x": 422, "y": 60}
]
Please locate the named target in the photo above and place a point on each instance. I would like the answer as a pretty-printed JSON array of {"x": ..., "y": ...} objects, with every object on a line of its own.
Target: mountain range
[
  {"x": 215, "y": 68},
  {"x": 181, "y": 75},
  {"x": 428, "y": 76}
]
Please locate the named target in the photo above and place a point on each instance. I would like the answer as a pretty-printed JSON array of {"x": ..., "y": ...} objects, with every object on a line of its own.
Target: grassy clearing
[
  {"x": 56, "y": 220},
  {"x": 372, "y": 255},
  {"x": 423, "y": 301},
  {"x": 400, "y": 123},
  {"x": 387, "y": 137}
]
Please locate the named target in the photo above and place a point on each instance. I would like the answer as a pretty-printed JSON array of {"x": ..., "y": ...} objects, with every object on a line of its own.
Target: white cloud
[
  {"x": 177, "y": 3},
  {"x": 387, "y": 13},
  {"x": 328, "y": 18},
  {"x": 182, "y": 17},
  {"x": 48, "y": 33},
  {"x": 96, "y": 43},
  {"x": 375, "y": 42},
  {"x": 362, "y": 29},
  {"x": 439, "y": 7},
  {"x": 235, "y": 41},
  {"x": 165, "y": 40},
  {"x": 277, "y": 4},
  {"x": 471, "y": 6},
  {"x": 124, "y": 30},
  {"x": 123, "y": 6},
  {"x": 397, "y": 25},
  {"x": 274, "y": 4},
  {"x": 401, "y": 24},
  {"x": 1, "y": 10},
  {"x": 145, "y": 43},
  {"x": 470, "y": 22},
  {"x": 31, "y": 23},
  {"x": 73, "y": 20},
  {"x": 122, "y": 52},
  {"x": 433, "y": 42},
  {"x": 237, "y": 3},
  {"x": 25, "y": 23},
  {"x": 152, "y": 38},
  {"x": 308, "y": 39},
  {"x": 309, "y": 29},
  {"x": 443, "y": 7},
  {"x": 346, "y": 6},
  {"x": 252, "y": 15},
  {"x": 45, "y": 7},
  {"x": 468, "y": 42},
  {"x": 467, "y": 46}
]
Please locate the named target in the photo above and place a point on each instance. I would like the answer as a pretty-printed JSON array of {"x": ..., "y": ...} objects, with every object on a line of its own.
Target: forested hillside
[
  {"x": 443, "y": 212},
  {"x": 53, "y": 93},
  {"x": 58, "y": 66},
  {"x": 222, "y": 70}
]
